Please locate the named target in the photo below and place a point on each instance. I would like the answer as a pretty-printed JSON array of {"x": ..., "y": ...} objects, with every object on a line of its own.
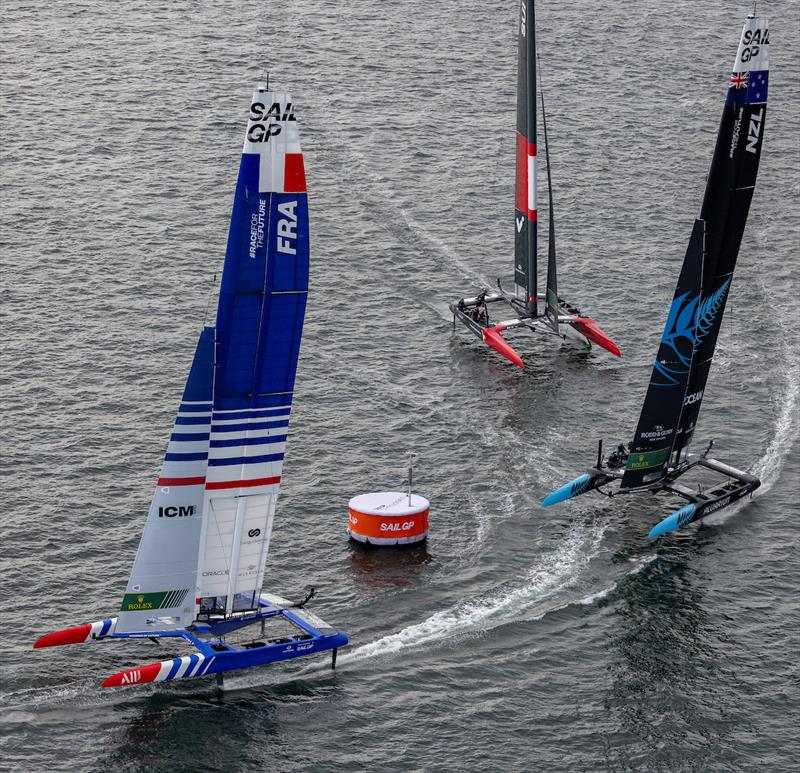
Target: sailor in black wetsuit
[
  {"x": 481, "y": 313},
  {"x": 618, "y": 456}
]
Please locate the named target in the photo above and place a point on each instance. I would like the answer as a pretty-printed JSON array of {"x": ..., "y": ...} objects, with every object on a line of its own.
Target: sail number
[{"x": 287, "y": 227}]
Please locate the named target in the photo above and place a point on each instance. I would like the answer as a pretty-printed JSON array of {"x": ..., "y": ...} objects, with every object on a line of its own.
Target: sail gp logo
[{"x": 265, "y": 121}]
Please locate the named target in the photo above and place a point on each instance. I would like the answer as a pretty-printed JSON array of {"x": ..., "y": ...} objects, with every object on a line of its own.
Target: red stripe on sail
[
  {"x": 521, "y": 182},
  {"x": 218, "y": 484},
  {"x": 531, "y": 148},
  {"x": 294, "y": 175},
  {"x": 181, "y": 481},
  {"x": 532, "y": 216}
]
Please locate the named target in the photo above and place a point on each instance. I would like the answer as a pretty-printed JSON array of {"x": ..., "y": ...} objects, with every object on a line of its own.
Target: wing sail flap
[{"x": 160, "y": 591}]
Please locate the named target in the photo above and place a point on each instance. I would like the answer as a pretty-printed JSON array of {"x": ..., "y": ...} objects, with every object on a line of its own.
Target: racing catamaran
[
  {"x": 199, "y": 569},
  {"x": 560, "y": 318},
  {"x": 658, "y": 455}
]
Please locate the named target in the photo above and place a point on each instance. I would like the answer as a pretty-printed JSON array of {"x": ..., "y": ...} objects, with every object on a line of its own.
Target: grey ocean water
[{"x": 520, "y": 639}]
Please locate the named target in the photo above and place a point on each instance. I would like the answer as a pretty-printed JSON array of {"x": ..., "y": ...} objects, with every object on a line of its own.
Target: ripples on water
[{"x": 517, "y": 638}]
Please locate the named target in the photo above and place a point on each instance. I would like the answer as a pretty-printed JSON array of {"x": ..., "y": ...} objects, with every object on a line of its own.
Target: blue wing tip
[
  {"x": 567, "y": 491},
  {"x": 674, "y": 521}
]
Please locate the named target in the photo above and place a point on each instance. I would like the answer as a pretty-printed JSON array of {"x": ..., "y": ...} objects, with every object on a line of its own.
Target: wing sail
[
  {"x": 259, "y": 325},
  {"x": 525, "y": 279},
  {"x": 658, "y": 421},
  {"x": 726, "y": 203},
  {"x": 160, "y": 591}
]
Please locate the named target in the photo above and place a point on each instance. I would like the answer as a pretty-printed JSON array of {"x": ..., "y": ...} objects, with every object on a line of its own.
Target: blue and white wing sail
[
  {"x": 259, "y": 324},
  {"x": 161, "y": 589}
]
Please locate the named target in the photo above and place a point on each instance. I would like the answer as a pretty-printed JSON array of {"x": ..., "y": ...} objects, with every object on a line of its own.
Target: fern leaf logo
[{"x": 679, "y": 340}]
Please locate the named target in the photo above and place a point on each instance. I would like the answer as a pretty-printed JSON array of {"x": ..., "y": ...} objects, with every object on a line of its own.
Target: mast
[{"x": 525, "y": 269}]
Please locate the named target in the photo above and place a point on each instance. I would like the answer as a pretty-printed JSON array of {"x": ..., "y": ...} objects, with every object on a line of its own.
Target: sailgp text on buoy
[{"x": 389, "y": 517}]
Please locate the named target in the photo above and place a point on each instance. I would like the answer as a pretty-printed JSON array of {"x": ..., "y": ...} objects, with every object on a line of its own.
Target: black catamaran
[
  {"x": 658, "y": 456},
  {"x": 558, "y": 318}
]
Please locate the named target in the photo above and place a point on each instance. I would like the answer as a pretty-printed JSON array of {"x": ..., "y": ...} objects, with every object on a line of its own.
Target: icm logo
[
  {"x": 287, "y": 227},
  {"x": 695, "y": 397},
  {"x": 754, "y": 131},
  {"x": 262, "y": 128},
  {"x": 253, "y": 532},
  {"x": 176, "y": 512}
]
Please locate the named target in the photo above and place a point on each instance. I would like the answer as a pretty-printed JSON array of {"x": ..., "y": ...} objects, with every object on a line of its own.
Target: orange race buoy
[{"x": 388, "y": 518}]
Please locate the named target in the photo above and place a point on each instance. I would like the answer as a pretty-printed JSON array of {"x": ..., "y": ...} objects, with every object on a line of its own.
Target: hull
[
  {"x": 737, "y": 485},
  {"x": 473, "y": 313}
]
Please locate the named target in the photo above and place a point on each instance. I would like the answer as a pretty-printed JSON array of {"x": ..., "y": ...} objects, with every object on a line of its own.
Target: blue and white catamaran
[
  {"x": 199, "y": 569},
  {"x": 658, "y": 455}
]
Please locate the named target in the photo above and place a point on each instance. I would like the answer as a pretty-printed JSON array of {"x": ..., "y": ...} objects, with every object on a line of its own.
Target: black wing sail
[
  {"x": 661, "y": 412},
  {"x": 684, "y": 359},
  {"x": 726, "y": 203},
  {"x": 525, "y": 278}
]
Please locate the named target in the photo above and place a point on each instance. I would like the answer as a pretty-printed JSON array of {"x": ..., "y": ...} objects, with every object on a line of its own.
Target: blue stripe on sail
[
  {"x": 193, "y": 420},
  {"x": 185, "y": 437},
  {"x": 248, "y": 441},
  {"x": 262, "y": 414},
  {"x": 245, "y": 460},
  {"x": 104, "y": 629},
  {"x": 199, "y": 384},
  {"x": 262, "y": 296},
  {"x": 185, "y": 457},
  {"x": 248, "y": 427},
  {"x": 200, "y": 408}
]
